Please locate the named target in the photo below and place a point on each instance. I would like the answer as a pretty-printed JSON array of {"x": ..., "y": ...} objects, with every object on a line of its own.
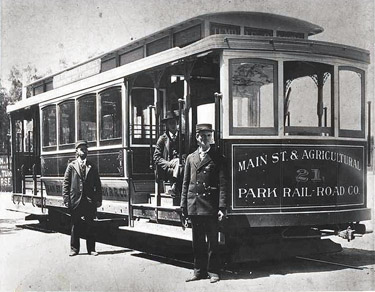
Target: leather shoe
[
  {"x": 214, "y": 279},
  {"x": 73, "y": 253},
  {"x": 173, "y": 191},
  {"x": 93, "y": 253},
  {"x": 193, "y": 278}
]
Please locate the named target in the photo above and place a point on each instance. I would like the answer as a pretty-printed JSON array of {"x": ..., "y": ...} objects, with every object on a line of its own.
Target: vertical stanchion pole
[
  {"x": 369, "y": 146},
  {"x": 35, "y": 187},
  {"x": 218, "y": 96},
  {"x": 150, "y": 107},
  {"x": 42, "y": 195},
  {"x": 180, "y": 109},
  {"x": 23, "y": 179}
]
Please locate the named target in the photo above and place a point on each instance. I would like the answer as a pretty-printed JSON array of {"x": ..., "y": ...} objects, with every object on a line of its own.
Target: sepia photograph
[{"x": 187, "y": 145}]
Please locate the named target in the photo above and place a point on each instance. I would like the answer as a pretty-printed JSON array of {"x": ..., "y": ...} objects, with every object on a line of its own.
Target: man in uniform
[
  {"x": 203, "y": 199},
  {"x": 82, "y": 193},
  {"x": 166, "y": 155}
]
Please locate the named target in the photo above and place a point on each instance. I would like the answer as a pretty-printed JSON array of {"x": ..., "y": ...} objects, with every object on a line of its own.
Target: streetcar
[{"x": 289, "y": 115}]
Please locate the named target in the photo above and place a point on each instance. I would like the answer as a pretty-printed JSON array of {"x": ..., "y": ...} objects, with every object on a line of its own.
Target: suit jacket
[
  {"x": 166, "y": 149},
  {"x": 74, "y": 187},
  {"x": 204, "y": 190}
]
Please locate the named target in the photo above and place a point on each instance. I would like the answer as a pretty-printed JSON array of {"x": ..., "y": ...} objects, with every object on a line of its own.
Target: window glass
[
  {"x": 218, "y": 28},
  {"x": 158, "y": 46},
  {"x": 108, "y": 64},
  {"x": 350, "y": 93},
  {"x": 39, "y": 89},
  {"x": 110, "y": 114},
  {"x": 290, "y": 34},
  {"x": 131, "y": 56},
  {"x": 87, "y": 118},
  {"x": 258, "y": 31},
  {"x": 187, "y": 36},
  {"x": 67, "y": 122},
  {"x": 28, "y": 136},
  {"x": 305, "y": 90},
  {"x": 19, "y": 134},
  {"x": 308, "y": 101},
  {"x": 49, "y": 126},
  {"x": 253, "y": 93},
  {"x": 49, "y": 85},
  {"x": 141, "y": 99}
]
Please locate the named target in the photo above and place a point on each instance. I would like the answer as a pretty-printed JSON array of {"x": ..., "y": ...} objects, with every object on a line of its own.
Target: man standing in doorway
[
  {"x": 82, "y": 193},
  {"x": 203, "y": 199},
  {"x": 166, "y": 155}
]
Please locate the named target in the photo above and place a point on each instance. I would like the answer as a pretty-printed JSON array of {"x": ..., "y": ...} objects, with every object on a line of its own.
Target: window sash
[{"x": 272, "y": 127}]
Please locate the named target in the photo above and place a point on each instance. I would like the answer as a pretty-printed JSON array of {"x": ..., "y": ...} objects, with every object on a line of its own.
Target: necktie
[{"x": 83, "y": 171}]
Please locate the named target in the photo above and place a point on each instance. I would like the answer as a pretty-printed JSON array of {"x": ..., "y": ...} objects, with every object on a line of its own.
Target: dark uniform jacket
[
  {"x": 204, "y": 189},
  {"x": 166, "y": 149},
  {"x": 74, "y": 187}
]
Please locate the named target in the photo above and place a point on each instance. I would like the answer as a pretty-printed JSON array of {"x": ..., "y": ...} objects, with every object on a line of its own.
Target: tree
[
  {"x": 16, "y": 77},
  {"x": 15, "y": 91},
  {"x": 4, "y": 118}
]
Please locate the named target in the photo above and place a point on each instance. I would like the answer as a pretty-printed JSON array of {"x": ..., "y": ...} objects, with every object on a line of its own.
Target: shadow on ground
[{"x": 172, "y": 251}]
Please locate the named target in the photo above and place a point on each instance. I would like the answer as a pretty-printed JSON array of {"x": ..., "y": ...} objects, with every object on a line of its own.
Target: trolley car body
[{"x": 288, "y": 111}]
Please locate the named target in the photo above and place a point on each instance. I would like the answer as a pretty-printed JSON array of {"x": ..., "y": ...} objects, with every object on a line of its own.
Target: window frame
[
  {"x": 315, "y": 131},
  {"x": 49, "y": 147},
  {"x": 91, "y": 143},
  {"x": 143, "y": 141},
  {"x": 111, "y": 141},
  {"x": 252, "y": 131},
  {"x": 67, "y": 145},
  {"x": 353, "y": 133}
]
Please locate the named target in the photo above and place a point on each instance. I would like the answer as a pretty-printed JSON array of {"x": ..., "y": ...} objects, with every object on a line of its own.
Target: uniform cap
[
  {"x": 203, "y": 127},
  {"x": 80, "y": 143},
  {"x": 169, "y": 116}
]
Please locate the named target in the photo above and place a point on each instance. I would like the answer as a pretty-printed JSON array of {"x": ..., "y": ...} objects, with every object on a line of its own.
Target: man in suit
[
  {"x": 82, "y": 193},
  {"x": 166, "y": 155},
  {"x": 203, "y": 200}
]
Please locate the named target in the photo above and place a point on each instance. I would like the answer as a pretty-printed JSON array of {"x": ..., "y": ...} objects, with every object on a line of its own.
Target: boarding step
[
  {"x": 170, "y": 231},
  {"x": 28, "y": 204},
  {"x": 166, "y": 200},
  {"x": 29, "y": 184},
  {"x": 156, "y": 213}
]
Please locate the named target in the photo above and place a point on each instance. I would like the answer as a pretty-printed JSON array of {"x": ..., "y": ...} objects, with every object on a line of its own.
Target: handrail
[
  {"x": 42, "y": 201},
  {"x": 325, "y": 116},
  {"x": 23, "y": 183},
  {"x": 35, "y": 187},
  {"x": 129, "y": 154},
  {"x": 8, "y": 150},
  {"x": 180, "y": 109},
  {"x": 150, "y": 107},
  {"x": 369, "y": 146},
  {"x": 218, "y": 96}
]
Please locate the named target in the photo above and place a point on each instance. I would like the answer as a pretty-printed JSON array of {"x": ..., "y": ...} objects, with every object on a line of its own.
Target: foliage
[
  {"x": 4, "y": 119},
  {"x": 15, "y": 91},
  {"x": 14, "y": 94}
]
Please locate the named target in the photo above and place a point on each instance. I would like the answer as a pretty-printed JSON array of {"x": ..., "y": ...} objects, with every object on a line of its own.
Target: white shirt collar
[
  {"x": 172, "y": 135},
  {"x": 81, "y": 161},
  {"x": 200, "y": 150}
]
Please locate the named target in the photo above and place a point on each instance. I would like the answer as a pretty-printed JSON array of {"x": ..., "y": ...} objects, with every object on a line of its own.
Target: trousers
[
  {"x": 80, "y": 228},
  {"x": 206, "y": 253}
]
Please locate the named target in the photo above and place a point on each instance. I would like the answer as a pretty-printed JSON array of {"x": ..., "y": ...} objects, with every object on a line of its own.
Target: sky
[{"x": 41, "y": 33}]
